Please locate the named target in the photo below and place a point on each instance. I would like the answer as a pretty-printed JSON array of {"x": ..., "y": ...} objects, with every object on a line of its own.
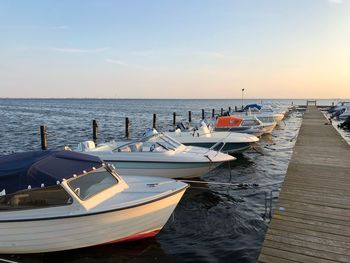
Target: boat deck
[{"x": 311, "y": 222}]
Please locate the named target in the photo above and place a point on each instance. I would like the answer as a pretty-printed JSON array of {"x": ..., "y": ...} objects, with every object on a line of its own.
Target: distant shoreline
[{"x": 10, "y": 98}]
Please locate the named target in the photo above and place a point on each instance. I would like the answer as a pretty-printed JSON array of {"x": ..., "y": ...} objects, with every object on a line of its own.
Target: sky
[{"x": 175, "y": 49}]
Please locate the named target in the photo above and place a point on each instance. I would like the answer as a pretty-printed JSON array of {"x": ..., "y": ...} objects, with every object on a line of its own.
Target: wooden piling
[
  {"x": 222, "y": 111},
  {"x": 94, "y": 130},
  {"x": 229, "y": 109},
  {"x": 213, "y": 113},
  {"x": 174, "y": 118},
  {"x": 43, "y": 137},
  {"x": 127, "y": 123},
  {"x": 203, "y": 114},
  {"x": 154, "y": 120},
  {"x": 236, "y": 108},
  {"x": 189, "y": 116}
]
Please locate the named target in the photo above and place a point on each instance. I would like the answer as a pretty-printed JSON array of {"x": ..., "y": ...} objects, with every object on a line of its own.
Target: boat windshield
[
  {"x": 155, "y": 142},
  {"x": 163, "y": 140},
  {"x": 92, "y": 183}
]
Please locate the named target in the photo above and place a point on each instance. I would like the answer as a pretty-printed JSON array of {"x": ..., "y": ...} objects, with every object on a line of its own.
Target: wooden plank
[
  {"x": 311, "y": 245},
  {"x": 333, "y": 233},
  {"x": 315, "y": 207},
  {"x": 320, "y": 254},
  {"x": 309, "y": 192},
  {"x": 279, "y": 253},
  {"x": 326, "y": 197},
  {"x": 288, "y": 208},
  {"x": 267, "y": 258},
  {"x": 322, "y": 201},
  {"x": 308, "y": 187},
  {"x": 311, "y": 219},
  {"x": 324, "y": 241}
]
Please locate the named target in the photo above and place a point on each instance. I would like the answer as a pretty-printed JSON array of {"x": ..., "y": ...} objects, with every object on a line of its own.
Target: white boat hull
[
  {"x": 344, "y": 116},
  {"x": 168, "y": 170},
  {"x": 268, "y": 128},
  {"x": 47, "y": 235}
]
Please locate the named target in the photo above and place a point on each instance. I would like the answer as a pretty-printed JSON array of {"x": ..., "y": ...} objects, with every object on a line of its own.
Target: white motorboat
[
  {"x": 253, "y": 120},
  {"x": 157, "y": 155},
  {"x": 61, "y": 200},
  {"x": 265, "y": 114},
  {"x": 228, "y": 142},
  {"x": 236, "y": 124}
]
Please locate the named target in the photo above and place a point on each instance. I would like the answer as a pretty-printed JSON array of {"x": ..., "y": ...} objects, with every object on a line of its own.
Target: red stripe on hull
[{"x": 136, "y": 237}]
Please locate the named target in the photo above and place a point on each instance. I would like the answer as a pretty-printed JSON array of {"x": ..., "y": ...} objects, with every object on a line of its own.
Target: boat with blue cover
[{"x": 61, "y": 200}]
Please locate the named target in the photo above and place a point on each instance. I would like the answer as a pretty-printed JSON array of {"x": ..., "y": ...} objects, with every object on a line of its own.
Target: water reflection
[{"x": 147, "y": 250}]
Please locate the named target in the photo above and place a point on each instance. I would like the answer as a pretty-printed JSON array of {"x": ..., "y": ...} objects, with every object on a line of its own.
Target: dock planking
[{"x": 311, "y": 222}]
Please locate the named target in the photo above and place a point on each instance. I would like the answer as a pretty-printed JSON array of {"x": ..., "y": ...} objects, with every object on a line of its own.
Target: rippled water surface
[{"x": 212, "y": 223}]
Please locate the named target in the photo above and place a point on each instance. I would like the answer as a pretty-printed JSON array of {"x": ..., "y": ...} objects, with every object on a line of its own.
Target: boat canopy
[
  {"x": 37, "y": 169},
  {"x": 254, "y": 105},
  {"x": 228, "y": 121}
]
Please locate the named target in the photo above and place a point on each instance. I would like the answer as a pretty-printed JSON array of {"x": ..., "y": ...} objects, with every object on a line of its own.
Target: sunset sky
[{"x": 175, "y": 49}]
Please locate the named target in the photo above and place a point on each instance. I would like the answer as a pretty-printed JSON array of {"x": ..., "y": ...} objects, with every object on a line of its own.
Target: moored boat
[
  {"x": 61, "y": 200},
  {"x": 228, "y": 142},
  {"x": 235, "y": 124},
  {"x": 157, "y": 154}
]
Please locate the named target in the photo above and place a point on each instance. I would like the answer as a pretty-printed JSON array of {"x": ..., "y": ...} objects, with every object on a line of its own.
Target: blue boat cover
[
  {"x": 254, "y": 105},
  {"x": 19, "y": 170}
]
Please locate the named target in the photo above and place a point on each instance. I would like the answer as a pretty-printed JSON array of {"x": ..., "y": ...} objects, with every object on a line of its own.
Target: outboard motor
[
  {"x": 181, "y": 126},
  {"x": 226, "y": 113}
]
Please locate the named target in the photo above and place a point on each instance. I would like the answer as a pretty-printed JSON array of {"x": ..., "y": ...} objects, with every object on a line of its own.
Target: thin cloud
[
  {"x": 124, "y": 64},
  {"x": 113, "y": 61},
  {"x": 77, "y": 50},
  {"x": 210, "y": 54},
  {"x": 143, "y": 53},
  {"x": 335, "y": 1},
  {"x": 33, "y": 27},
  {"x": 60, "y": 27}
]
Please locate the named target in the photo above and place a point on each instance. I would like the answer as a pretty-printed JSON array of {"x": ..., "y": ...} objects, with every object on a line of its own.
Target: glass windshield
[
  {"x": 157, "y": 143},
  {"x": 164, "y": 141},
  {"x": 87, "y": 185}
]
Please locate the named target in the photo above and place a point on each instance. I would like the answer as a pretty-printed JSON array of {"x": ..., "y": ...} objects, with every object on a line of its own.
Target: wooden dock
[{"x": 311, "y": 222}]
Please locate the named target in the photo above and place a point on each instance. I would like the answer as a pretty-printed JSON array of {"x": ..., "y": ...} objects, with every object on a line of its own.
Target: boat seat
[
  {"x": 124, "y": 149},
  {"x": 136, "y": 147},
  {"x": 86, "y": 146}
]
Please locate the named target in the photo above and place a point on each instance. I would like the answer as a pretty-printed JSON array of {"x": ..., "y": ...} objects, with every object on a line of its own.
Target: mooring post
[
  {"x": 94, "y": 130},
  {"x": 222, "y": 111},
  {"x": 174, "y": 118},
  {"x": 236, "y": 108},
  {"x": 203, "y": 114},
  {"x": 189, "y": 116},
  {"x": 154, "y": 120},
  {"x": 43, "y": 137},
  {"x": 229, "y": 109},
  {"x": 127, "y": 127},
  {"x": 213, "y": 113}
]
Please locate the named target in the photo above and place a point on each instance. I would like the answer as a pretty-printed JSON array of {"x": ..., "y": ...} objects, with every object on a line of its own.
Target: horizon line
[{"x": 179, "y": 98}]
